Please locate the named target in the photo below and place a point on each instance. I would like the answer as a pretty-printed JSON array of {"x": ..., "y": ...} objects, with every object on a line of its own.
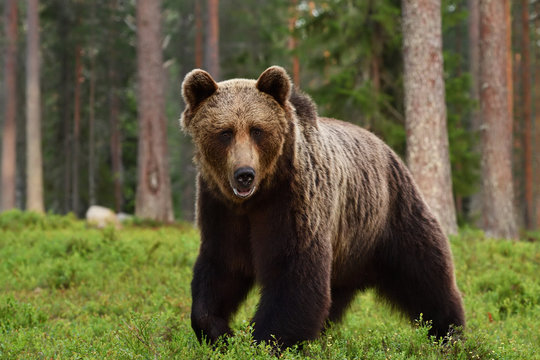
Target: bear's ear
[
  {"x": 198, "y": 85},
  {"x": 275, "y": 82}
]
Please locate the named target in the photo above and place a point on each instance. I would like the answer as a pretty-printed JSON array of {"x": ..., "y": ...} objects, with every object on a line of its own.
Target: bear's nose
[{"x": 244, "y": 176}]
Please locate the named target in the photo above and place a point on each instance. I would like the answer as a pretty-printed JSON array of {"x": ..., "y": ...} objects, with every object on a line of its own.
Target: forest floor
[{"x": 72, "y": 292}]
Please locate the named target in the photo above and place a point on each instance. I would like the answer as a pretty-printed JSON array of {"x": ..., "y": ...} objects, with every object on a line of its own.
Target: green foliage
[{"x": 74, "y": 292}]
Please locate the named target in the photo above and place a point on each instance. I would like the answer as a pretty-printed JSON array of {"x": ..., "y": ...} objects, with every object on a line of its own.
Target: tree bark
[
  {"x": 199, "y": 39},
  {"x": 527, "y": 116},
  {"x": 34, "y": 159},
  {"x": 75, "y": 197},
  {"x": 475, "y": 201},
  {"x": 115, "y": 140},
  {"x": 496, "y": 124},
  {"x": 425, "y": 108},
  {"x": 212, "y": 40},
  {"x": 9, "y": 132},
  {"x": 153, "y": 199}
]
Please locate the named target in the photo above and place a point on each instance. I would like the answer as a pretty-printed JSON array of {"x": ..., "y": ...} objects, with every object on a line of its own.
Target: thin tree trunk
[
  {"x": 527, "y": 116},
  {"x": 65, "y": 106},
  {"x": 475, "y": 202},
  {"x": 496, "y": 128},
  {"x": 34, "y": 162},
  {"x": 9, "y": 132},
  {"x": 292, "y": 43},
  {"x": 199, "y": 39},
  {"x": 537, "y": 120},
  {"x": 91, "y": 130},
  {"x": 153, "y": 198},
  {"x": 115, "y": 142},
  {"x": 212, "y": 40},
  {"x": 76, "y": 129},
  {"x": 425, "y": 108}
]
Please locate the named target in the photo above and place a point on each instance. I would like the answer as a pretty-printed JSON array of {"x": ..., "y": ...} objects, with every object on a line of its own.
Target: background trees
[
  {"x": 9, "y": 131},
  {"x": 425, "y": 108},
  {"x": 349, "y": 56}
]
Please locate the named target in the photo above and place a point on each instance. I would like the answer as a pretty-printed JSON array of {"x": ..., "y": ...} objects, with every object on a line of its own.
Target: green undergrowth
[{"x": 68, "y": 291}]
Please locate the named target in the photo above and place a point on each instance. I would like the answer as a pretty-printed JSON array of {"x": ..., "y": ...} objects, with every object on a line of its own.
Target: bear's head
[{"x": 238, "y": 127}]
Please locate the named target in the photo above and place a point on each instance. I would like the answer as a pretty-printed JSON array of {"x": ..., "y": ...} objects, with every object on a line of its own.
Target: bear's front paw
[{"x": 210, "y": 329}]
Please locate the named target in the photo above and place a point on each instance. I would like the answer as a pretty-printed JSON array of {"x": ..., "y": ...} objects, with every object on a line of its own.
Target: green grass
[{"x": 72, "y": 292}]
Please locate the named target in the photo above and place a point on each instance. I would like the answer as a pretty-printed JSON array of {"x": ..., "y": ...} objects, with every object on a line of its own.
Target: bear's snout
[{"x": 243, "y": 181}]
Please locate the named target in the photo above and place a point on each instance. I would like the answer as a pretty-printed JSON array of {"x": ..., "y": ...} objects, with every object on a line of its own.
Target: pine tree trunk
[
  {"x": 75, "y": 197},
  {"x": 153, "y": 198},
  {"x": 115, "y": 140},
  {"x": 9, "y": 131},
  {"x": 475, "y": 201},
  {"x": 527, "y": 116},
  {"x": 34, "y": 162},
  {"x": 212, "y": 40},
  {"x": 199, "y": 39},
  {"x": 425, "y": 108},
  {"x": 496, "y": 124},
  {"x": 91, "y": 136}
]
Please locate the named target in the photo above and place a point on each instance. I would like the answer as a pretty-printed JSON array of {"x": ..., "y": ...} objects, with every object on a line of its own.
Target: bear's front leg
[
  {"x": 223, "y": 272},
  {"x": 216, "y": 294},
  {"x": 295, "y": 295}
]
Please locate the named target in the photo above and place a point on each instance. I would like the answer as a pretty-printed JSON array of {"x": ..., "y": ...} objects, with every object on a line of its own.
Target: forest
[
  {"x": 90, "y": 101},
  {"x": 74, "y": 99}
]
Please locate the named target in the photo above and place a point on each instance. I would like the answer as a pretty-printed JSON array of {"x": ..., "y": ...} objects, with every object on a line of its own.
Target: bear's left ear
[
  {"x": 198, "y": 85},
  {"x": 275, "y": 82}
]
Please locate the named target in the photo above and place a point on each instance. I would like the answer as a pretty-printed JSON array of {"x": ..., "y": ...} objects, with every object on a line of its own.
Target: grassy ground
[{"x": 70, "y": 292}]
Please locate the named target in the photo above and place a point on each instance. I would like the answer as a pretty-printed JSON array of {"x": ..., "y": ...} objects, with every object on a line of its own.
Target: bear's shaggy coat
[{"x": 312, "y": 209}]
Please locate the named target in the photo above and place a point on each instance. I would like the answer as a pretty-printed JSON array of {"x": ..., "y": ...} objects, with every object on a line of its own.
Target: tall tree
[
  {"x": 527, "y": 116},
  {"x": 212, "y": 40},
  {"x": 34, "y": 162},
  {"x": 425, "y": 108},
  {"x": 153, "y": 198},
  {"x": 496, "y": 124},
  {"x": 199, "y": 39},
  {"x": 75, "y": 197},
  {"x": 9, "y": 132}
]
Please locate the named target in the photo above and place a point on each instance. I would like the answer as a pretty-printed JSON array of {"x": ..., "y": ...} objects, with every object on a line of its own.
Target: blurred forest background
[{"x": 348, "y": 55}]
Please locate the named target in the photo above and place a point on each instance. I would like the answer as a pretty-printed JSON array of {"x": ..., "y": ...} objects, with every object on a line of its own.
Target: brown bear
[{"x": 312, "y": 209}]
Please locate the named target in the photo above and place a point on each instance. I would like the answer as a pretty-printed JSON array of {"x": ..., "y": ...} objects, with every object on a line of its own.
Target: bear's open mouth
[{"x": 244, "y": 193}]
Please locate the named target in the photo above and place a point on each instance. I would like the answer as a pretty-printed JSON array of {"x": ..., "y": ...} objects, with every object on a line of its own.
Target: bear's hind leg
[{"x": 417, "y": 277}]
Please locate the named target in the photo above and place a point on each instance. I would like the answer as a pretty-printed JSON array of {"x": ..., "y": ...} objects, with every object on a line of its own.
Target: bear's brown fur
[{"x": 312, "y": 209}]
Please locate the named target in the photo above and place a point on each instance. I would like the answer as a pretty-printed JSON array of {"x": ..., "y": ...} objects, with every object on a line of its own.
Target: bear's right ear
[{"x": 198, "y": 85}]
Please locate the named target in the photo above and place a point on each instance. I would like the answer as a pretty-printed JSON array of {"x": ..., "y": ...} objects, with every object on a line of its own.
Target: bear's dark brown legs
[
  {"x": 216, "y": 295},
  {"x": 294, "y": 305},
  {"x": 341, "y": 299},
  {"x": 417, "y": 277}
]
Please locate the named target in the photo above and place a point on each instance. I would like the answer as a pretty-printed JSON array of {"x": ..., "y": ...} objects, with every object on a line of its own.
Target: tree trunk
[
  {"x": 527, "y": 116},
  {"x": 153, "y": 198},
  {"x": 34, "y": 162},
  {"x": 91, "y": 135},
  {"x": 76, "y": 130},
  {"x": 212, "y": 40},
  {"x": 537, "y": 119},
  {"x": 496, "y": 123},
  {"x": 475, "y": 201},
  {"x": 9, "y": 132},
  {"x": 115, "y": 140},
  {"x": 425, "y": 108},
  {"x": 199, "y": 39}
]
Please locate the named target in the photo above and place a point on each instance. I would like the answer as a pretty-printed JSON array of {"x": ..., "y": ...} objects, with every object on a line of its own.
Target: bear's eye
[
  {"x": 256, "y": 133},
  {"x": 226, "y": 135}
]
